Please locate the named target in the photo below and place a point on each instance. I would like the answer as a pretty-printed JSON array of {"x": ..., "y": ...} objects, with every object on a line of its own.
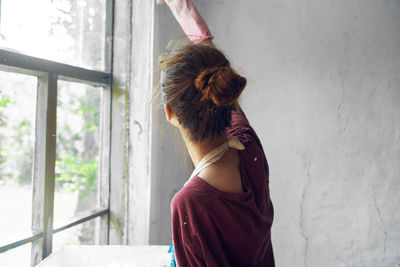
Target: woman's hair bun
[{"x": 221, "y": 85}]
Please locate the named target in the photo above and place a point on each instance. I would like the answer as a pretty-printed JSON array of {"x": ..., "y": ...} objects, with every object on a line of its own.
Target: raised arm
[{"x": 190, "y": 20}]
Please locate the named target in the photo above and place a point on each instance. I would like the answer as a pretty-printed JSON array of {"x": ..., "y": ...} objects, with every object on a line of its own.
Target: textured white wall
[
  {"x": 168, "y": 171},
  {"x": 324, "y": 96}
]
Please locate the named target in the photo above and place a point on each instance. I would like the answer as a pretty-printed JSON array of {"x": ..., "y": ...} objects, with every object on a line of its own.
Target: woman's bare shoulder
[{"x": 224, "y": 175}]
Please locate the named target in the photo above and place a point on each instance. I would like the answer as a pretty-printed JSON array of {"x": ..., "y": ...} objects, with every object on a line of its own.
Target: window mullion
[
  {"x": 104, "y": 164},
  {"x": 109, "y": 34},
  {"x": 105, "y": 130},
  {"x": 44, "y": 166}
]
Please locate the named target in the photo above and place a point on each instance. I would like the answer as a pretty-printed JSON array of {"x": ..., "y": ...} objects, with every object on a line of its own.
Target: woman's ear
[{"x": 170, "y": 115}]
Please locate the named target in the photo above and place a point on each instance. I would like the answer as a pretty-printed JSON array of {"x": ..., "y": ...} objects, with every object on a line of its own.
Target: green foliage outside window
[
  {"x": 77, "y": 150},
  {"x": 77, "y": 162},
  {"x": 4, "y": 100},
  {"x": 15, "y": 145},
  {"x": 80, "y": 175}
]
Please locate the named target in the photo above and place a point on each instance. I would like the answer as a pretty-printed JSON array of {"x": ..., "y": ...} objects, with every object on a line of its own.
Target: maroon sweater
[{"x": 216, "y": 228}]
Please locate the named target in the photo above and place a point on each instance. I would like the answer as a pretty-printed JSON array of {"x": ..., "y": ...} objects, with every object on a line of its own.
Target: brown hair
[{"x": 199, "y": 85}]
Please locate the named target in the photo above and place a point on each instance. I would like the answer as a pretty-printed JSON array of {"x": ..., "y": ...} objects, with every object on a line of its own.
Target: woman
[{"x": 223, "y": 214}]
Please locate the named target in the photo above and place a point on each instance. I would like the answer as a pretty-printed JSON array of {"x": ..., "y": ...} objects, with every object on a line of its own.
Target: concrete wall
[
  {"x": 168, "y": 170},
  {"x": 324, "y": 96}
]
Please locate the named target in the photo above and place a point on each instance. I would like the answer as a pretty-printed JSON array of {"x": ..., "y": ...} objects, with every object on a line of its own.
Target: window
[
  {"x": 55, "y": 104},
  {"x": 67, "y": 31}
]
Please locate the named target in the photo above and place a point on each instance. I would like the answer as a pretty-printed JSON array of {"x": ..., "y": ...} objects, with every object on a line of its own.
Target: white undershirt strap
[{"x": 215, "y": 154}]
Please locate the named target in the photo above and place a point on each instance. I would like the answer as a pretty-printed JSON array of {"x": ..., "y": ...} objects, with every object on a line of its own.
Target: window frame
[{"x": 43, "y": 174}]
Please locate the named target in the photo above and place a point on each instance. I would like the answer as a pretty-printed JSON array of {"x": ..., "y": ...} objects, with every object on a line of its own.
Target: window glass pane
[
  {"x": 17, "y": 126},
  {"x": 81, "y": 234},
  {"x": 19, "y": 256},
  {"x": 78, "y": 113},
  {"x": 69, "y": 31}
]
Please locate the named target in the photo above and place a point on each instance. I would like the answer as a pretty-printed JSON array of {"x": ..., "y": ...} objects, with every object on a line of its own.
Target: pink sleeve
[
  {"x": 241, "y": 129},
  {"x": 239, "y": 119},
  {"x": 190, "y": 20}
]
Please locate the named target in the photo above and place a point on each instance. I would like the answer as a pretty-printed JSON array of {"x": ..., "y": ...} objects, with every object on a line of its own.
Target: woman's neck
[{"x": 197, "y": 150}]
